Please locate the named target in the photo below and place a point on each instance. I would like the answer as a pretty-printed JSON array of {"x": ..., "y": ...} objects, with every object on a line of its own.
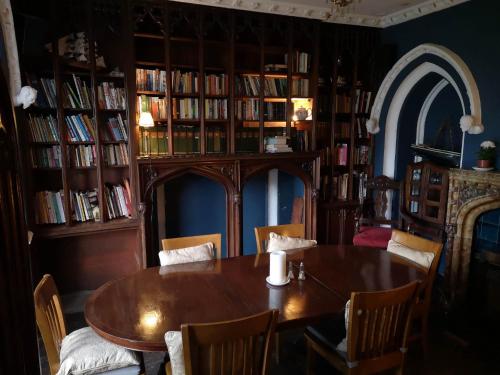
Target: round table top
[{"x": 137, "y": 310}]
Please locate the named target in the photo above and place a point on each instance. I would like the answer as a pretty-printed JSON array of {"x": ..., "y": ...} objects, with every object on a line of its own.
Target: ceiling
[{"x": 376, "y": 13}]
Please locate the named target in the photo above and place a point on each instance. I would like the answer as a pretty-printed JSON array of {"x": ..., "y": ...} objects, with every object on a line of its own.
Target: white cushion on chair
[
  {"x": 173, "y": 339},
  {"x": 342, "y": 346},
  {"x": 84, "y": 352},
  {"x": 187, "y": 255},
  {"x": 422, "y": 258},
  {"x": 278, "y": 242}
]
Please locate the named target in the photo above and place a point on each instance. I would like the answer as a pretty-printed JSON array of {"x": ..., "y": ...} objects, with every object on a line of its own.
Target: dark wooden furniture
[
  {"x": 137, "y": 310},
  {"x": 373, "y": 228},
  {"x": 205, "y": 41},
  {"x": 423, "y": 306},
  {"x": 19, "y": 341},
  {"x": 426, "y": 198},
  {"x": 239, "y": 346},
  {"x": 377, "y": 332}
]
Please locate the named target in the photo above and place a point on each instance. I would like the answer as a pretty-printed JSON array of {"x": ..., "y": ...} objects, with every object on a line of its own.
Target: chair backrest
[
  {"x": 290, "y": 230},
  {"x": 378, "y": 328},
  {"x": 182, "y": 242},
  {"x": 239, "y": 346},
  {"x": 50, "y": 319},
  {"x": 424, "y": 245},
  {"x": 377, "y": 208}
]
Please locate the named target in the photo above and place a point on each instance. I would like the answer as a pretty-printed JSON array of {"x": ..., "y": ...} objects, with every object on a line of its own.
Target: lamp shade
[{"x": 146, "y": 120}]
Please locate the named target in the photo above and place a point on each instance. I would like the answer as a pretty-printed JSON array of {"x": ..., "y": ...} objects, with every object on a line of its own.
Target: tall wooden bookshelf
[{"x": 258, "y": 76}]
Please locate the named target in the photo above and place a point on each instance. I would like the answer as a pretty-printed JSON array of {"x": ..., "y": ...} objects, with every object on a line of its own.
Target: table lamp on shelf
[{"x": 146, "y": 121}]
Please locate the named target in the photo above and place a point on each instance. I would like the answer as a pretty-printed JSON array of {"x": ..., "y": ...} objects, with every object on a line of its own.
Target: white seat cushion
[
  {"x": 422, "y": 258},
  {"x": 187, "y": 255},
  {"x": 84, "y": 352},
  {"x": 342, "y": 346},
  {"x": 278, "y": 242},
  {"x": 173, "y": 339}
]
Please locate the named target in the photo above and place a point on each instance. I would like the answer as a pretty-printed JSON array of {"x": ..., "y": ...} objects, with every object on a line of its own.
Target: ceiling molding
[{"x": 323, "y": 13}]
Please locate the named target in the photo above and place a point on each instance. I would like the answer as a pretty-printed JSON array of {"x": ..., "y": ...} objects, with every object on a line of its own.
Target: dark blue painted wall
[
  {"x": 289, "y": 187},
  {"x": 195, "y": 205},
  {"x": 254, "y": 210},
  {"x": 471, "y": 30}
]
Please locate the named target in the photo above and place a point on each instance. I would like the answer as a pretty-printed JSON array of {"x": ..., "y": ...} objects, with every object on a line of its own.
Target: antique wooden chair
[
  {"x": 375, "y": 219},
  {"x": 240, "y": 346},
  {"x": 183, "y": 242},
  {"x": 51, "y": 323},
  {"x": 423, "y": 304},
  {"x": 290, "y": 230},
  {"x": 377, "y": 328}
]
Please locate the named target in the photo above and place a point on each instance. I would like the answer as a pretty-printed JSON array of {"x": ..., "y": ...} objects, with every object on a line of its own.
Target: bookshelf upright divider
[
  {"x": 289, "y": 78},
  {"x": 262, "y": 86},
  {"x": 201, "y": 85},
  {"x": 168, "y": 68}
]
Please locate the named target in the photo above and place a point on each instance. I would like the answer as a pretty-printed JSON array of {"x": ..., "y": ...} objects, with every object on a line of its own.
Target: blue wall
[
  {"x": 254, "y": 210},
  {"x": 471, "y": 30}
]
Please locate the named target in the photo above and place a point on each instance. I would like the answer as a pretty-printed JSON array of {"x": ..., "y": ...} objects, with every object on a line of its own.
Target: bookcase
[
  {"x": 347, "y": 89},
  {"x": 223, "y": 87}
]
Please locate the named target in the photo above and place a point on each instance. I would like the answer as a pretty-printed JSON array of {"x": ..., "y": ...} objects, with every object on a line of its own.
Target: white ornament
[
  {"x": 372, "y": 126},
  {"x": 466, "y": 122},
  {"x": 488, "y": 144},
  {"x": 476, "y": 129},
  {"x": 26, "y": 97}
]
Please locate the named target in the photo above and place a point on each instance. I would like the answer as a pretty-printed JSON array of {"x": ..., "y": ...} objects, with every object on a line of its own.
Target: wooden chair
[
  {"x": 423, "y": 304},
  {"x": 181, "y": 242},
  {"x": 377, "y": 331},
  {"x": 373, "y": 228},
  {"x": 240, "y": 346},
  {"x": 50, "y": 320},
  {"x": 290, "y": 230}
]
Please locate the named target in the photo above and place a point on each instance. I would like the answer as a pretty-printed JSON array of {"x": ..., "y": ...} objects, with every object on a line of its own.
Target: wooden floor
[{"x": 466, "y": 343}]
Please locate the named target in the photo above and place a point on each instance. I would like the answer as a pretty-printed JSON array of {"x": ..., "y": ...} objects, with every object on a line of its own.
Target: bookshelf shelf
[
  {"x": 148, "y": 36},
  {"x": 61, "y": 230},
  {"x": 150, "y": 63},
  {"x": 150, "y": 93}
]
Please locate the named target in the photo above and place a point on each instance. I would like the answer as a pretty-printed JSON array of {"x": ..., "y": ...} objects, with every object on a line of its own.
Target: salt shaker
[
  {"x": 290, "y": 271},
  {"x": 302, "y": 274}
]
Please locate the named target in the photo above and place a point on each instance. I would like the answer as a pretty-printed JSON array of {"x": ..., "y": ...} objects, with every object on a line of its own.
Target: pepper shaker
[
  {"x": 302, "y": 274},
  {"x": 290, "y": 271}
]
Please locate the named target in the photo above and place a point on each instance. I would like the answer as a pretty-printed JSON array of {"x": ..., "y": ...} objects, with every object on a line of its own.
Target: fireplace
[{"x": 470, "y": 194}]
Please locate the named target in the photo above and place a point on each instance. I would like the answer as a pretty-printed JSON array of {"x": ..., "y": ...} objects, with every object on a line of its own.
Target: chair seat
[
  {"x": 373, "y": 237},
  {"x": 328, "y": 333}
]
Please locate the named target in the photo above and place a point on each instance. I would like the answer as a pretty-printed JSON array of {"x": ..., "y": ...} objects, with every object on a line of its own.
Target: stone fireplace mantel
[{"x": 470, "y": 194}]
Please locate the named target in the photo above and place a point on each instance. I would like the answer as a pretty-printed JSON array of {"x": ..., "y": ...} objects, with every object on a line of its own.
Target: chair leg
[
  {"x": 311, "y": 356},
  {"x": 277, "y": 347},
  {"x": 424, "y": 337}
]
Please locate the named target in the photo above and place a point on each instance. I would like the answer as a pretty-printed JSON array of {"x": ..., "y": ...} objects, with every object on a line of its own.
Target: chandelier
[{"x": 337, "y": 6}]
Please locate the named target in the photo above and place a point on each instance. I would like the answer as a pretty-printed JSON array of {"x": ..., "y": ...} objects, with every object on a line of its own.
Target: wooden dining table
[{"x": 136, "y": 311}]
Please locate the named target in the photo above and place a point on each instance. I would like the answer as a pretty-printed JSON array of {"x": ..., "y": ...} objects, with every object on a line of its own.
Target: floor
[{"x": 464, "y": 343}]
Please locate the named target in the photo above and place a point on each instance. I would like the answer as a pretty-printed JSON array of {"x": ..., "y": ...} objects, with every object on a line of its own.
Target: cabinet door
[
  {"x": 435, "y": 194},
  {"x": 337, "y": 225}
]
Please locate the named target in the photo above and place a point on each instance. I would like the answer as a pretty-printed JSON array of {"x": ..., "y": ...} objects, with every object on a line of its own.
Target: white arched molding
[
  {"x": 447, "y": 55},
  {"x": 398, "y": 100},
  {"x": 426, "y": 106}
]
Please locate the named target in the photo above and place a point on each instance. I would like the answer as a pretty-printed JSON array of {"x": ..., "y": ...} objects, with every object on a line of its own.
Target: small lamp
[{"x": 146, "y": 121}]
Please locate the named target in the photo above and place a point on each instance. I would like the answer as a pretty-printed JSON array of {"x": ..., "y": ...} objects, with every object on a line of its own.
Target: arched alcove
[{"x": 408, "y": 71}]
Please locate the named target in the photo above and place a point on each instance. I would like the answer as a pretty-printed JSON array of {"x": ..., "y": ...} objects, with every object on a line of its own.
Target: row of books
[
  {"x": 362, "y": 155},
  {"x": 247, "y": 140},
  {"x": 301, "y": 62},
  {"x": 116, "y": 129},
  {"x": 216, "y": 84},
  {"x": 118, "y": 201},
  {"x": 323, "y": 132},
  {"x": 115, "y": 154},
  {"x": 185, "y": 109},
  {"x": 362, "y": 102},
  {"x": 85, "y": 206},
  {"x": 43, "y": 129},
  {"x": 216, "y": 140},
  {"x": 76, "y": 94},
  {"x": 277, "y": 143},
  {"x": 343, "y": 103},
  {"x": 341, "y": 154},
  {"x": 184, "y": 83},
  {"x": 153, "y": 104},
  {"x": 111, "y": 97},
  {"x": 359, "y": 185},
  {"x": 216, "y": 109},
  {"x": 151, "y": 80},
  {"x": 275, "y": 111},
  {"x": 340, "y": 185},
  {"x": 302, "y": 141},
  {"x": 343, "y": 129},
  {"x": 186, "y": 139},
  {"x": 247, "y": 109},
  {"x": 300, "y": 87},
  {"x": 80, "y": 128},
  {"x": 82, "y": 155},
  {"x": 247, "y": 85},
  {"x": 49, "y": 207},
  {"x": 156, "y": 142},
  {"x": 275, "y": 87},
  {"x": 46, "y": 91},
  {"x": 46, "y": 157}
]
